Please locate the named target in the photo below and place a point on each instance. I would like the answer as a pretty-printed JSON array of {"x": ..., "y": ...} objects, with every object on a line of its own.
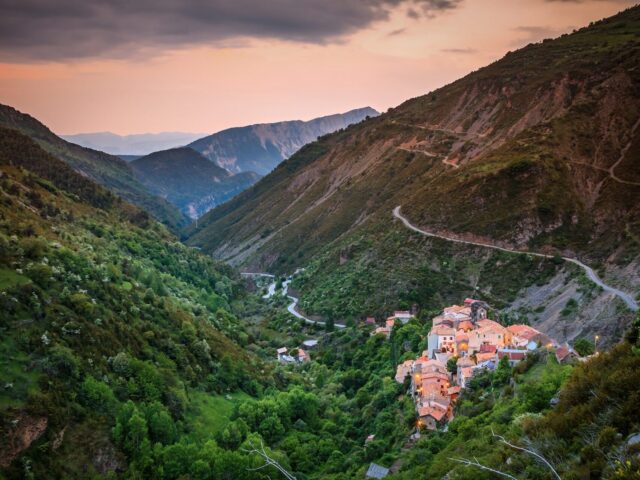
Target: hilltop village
[{"x": 463, "y": 334}]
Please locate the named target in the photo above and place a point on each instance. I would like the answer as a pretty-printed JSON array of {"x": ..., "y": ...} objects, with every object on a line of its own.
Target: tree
[
  {"x": 584, "y": 347},
  {"x": 452, "y": 364}
]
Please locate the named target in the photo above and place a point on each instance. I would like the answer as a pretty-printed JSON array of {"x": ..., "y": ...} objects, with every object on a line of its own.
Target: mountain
[
  {"x": 536, "y": 151},
  {"x": 188, "y": 180},
  {"x": 136, "y": 144},
  {"x": 107, "y": 170},
  {"x": 103, "y": 312},
  {"x": 260, "y": 148}
]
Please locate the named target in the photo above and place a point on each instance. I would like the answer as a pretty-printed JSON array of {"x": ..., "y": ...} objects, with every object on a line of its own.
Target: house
[
  {"x": 403, "y": 316},
  {"x": 403, "y": 370},
  {"x": 369, "y": 439},
  {"x": 310, "y": 343},
  {"x": 442, "y": 339},
  {"x": 370, "y": 321},
  {"x": 376, "y": 471},
  {"x": 303, "y": 356},
  {"x": 565, "y": 354},
  {"x": 515, "y": 356},
  {"x": 391, "y": 322},
  {"x": 386, "y": 331},
  {"x": 430, "y": 417},
  {"x": 464, "y": 376}
]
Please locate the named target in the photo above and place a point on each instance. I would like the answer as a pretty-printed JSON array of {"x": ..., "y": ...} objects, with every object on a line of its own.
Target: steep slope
[
  {"x": 109, "y": 171},
  {"x": 259, "y": 148},
  {"x": 188, "y": 180},
  {"x": 103, "y": 314},
  {"x": 135, "y": 144},
  {"x": 519, "y": 153}
]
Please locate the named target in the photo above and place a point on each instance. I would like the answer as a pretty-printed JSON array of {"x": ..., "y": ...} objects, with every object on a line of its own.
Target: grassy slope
[
  {"x": 87, "y": 277},
  {"x": 107, "y": 170}
]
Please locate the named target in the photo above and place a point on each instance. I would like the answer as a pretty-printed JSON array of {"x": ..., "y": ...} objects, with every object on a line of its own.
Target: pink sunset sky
[{"x": 202, "y": 66}]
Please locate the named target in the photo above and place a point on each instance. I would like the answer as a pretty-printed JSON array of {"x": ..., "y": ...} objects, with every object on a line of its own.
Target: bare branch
[
  {"x": 526, "y": 450},
  {"x": 268, "y": 460},
  {"x": 475, "y": 463}
]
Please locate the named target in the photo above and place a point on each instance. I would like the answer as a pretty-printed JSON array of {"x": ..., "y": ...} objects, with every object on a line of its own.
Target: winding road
[
  {"x": 627, "y": 298},
  {"x": 291, "y": 308}
]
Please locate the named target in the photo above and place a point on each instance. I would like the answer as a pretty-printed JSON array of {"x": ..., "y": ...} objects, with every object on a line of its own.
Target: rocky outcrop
[{"x": 24, "y": 430}]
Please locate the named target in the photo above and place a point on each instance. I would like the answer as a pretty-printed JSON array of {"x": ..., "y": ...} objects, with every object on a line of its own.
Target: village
[
  {"x": 463, "y": 334},
  {"x": 461, "y": 344}
]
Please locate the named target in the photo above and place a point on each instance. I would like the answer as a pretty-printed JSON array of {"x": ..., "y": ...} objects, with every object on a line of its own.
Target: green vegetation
[
  {"x": 109, "y": 325},
  {"x": 107, "y": 170}
]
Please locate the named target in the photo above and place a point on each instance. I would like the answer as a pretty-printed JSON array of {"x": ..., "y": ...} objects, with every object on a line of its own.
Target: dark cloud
[
  {"x": 32, "y": 30},
  {"x": 464, "y": 51}
]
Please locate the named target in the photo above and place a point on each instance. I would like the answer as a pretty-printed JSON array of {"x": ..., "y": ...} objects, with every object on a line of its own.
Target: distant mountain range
[
  {"x": 188, "y": 180},
  {"x": 260, "y": 148},
  {"x": 107, "y": 170},
  {"x": 130, "y": 145}
]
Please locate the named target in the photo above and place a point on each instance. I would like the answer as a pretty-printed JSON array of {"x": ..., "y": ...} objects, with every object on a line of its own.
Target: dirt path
[{"x": 625, "y": 297}]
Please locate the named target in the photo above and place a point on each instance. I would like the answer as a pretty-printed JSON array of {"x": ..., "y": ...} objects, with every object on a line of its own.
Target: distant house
[
  {"x": 376, "y": 471},
  {"x": 310, "y": 343},
  {"x": 515, "y": 356},
  {"x": 430, "y": 417},
  {"x": 403, "y": 370},
  {"x": 303, "y": 356},
  {"x": 369, "y": 439},
  {"x": 386, "y": 331},
  {"x": 391, "y": 322},
  {"x": 565, "y": 354},
  {"x": 403, "y": 316},
  {"x": 370, "y": 321}
]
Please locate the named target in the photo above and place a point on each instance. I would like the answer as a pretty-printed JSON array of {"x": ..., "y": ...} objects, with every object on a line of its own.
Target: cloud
[
  {"x": 394, "y": 33},
  {"x": 464, "y": 51},
  {"x": 33, "y": 30}
]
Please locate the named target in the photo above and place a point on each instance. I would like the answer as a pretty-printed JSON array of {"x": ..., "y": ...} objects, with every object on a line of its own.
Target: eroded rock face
[{"x": 24, "y": 430}]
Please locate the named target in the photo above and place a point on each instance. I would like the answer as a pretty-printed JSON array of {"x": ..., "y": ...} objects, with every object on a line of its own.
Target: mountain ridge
[
  {"x": 518, "y": 153},
  {"x": 188, "y": 180},
  {"x": 107, "y": 170},
  {"x": 260, "y": 147}
]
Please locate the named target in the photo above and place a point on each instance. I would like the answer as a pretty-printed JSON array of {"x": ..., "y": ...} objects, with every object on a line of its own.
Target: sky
[{"x": 137, "y": 66}]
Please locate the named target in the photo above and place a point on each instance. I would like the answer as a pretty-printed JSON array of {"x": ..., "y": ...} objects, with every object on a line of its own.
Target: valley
[{"x": 446, "y": 290}]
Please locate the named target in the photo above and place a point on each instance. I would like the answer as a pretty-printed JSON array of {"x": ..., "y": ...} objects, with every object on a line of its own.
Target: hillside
[
  {"x": 107, "y": 170},
  {"x": 537, "y": 150},
  {"x": 188, "y": 180},
  {"x": 260, "y": 148},
  {"x": 135, "y": 144},
  {"x": 104, "y": 316}
]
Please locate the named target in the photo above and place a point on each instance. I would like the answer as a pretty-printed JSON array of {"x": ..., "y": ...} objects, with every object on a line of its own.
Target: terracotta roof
[
  {"x": 390, "y": 322},
  {"x": 466, "y": 372},
  {"x": 436, "y": 413},
  {"x": 512, "y": 354},
  {"x": 442, "y": 330},
  {"x": 488, "y": 348},
  {"x": 453, "y": 390},
  {"x": 462, "y": 337},
  {"x": 465, "y": 325},
  {"x": 562, "y": 353},
  {"x": 465, "y": 362},
  {"x": 490, "y": 324},
  {"x": 484, "y": 356}
]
